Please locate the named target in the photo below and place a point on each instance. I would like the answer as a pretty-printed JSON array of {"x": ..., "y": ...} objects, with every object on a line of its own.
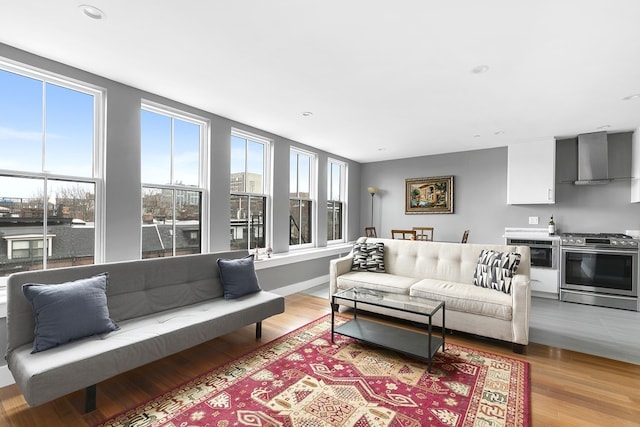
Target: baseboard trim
[
  {"x": 301, "y": 286},
  {"x": 5, "y": 376}
]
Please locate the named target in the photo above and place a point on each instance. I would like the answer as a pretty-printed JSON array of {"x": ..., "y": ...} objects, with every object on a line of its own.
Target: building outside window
[
  {"x": 336, "y": 185},
  {"x": 174, "y": 181},
  {"x": 51, "y": 139},
  {"x": 301, "y": 181},
  {"x": 249, "y": 192}
]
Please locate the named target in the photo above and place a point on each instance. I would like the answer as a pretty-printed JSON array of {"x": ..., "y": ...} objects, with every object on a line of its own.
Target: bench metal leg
[
  {"x": 258, "y": 330},
  {"x": 90, "y": 399}
]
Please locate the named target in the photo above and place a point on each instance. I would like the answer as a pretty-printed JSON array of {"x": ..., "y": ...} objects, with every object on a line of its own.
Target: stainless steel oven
[
  {"x": 544, "y": 253},
  {"x": 600, "y": 270}
]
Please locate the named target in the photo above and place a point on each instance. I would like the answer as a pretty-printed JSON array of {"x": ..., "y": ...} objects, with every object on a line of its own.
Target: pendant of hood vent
[{"x": 593, "y": 159}]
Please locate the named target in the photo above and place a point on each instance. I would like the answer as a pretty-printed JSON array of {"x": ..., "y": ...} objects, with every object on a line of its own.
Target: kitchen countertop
[{"x": 528, "y": 233}]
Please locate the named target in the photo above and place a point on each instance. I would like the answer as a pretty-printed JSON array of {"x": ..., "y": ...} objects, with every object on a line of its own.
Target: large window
[
  {"x": 249, "y": 191},
  {"x": 50, "y": 170},
  {"x": 336, "y": 184},
  {"x": 174, "y": 171},
  {"x": 301, "y": 181}
]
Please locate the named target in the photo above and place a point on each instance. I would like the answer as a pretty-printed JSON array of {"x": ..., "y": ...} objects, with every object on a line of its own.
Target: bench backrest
[{"x": 135, "y": 288}]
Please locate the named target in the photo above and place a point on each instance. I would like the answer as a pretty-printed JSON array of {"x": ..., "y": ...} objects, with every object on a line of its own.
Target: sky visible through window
[
  {"x": 156, "y": 148},
  {"x": 37, "y": 118},
  {"x": 245, "y": 150}
]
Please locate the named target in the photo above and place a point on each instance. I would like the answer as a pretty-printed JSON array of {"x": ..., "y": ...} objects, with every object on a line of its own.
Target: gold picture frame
[{"x": 429, "y": 195}]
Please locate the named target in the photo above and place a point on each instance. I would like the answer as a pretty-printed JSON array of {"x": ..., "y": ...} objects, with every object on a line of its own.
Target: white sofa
[{"x": 445, "y": 272}]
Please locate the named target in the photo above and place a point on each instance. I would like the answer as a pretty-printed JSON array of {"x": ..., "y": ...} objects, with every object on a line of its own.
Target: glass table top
[{"x": 402, "y": 302}]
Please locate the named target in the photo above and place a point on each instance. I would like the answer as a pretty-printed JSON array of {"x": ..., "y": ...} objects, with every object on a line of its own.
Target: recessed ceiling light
[
  {"x": 381, "y": 149},
  {"x": 476, "y": 135},
  {"x": 604, "y": 127},
  {"x": 91, "y": 11},
  {"x": 630, "y": 97},
  {"x": 307, "y": 113},
  {"x": 480, "y": 69},
  {"x": 499, "y": 132}
]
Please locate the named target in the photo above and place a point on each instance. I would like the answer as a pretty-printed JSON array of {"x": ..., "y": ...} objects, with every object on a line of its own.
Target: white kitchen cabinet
[
  {"x": 531, "y": 172},
  {"x": 544, "y": 282},
  {"x": 635, "y": 167}
]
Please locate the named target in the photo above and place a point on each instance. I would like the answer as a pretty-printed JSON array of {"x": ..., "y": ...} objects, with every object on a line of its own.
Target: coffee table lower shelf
[{"x": 397, "y": 339}]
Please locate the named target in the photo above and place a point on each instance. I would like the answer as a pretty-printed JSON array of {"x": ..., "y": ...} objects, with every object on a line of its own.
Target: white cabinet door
[
  {"x": 531, "y": 172},
  {"x": 635, "y": 167},
  {"x": 544, "y": 281}
]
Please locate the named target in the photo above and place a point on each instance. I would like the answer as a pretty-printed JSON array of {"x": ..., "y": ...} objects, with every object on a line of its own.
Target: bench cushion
[{"x": 61, "y": 370}]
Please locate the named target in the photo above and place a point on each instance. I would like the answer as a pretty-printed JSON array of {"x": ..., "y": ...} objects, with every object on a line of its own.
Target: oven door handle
[{"x": 600, "y": 251}]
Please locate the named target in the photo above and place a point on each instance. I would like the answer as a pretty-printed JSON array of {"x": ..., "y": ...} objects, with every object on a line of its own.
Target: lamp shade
[{"x": 372, "y": 190}]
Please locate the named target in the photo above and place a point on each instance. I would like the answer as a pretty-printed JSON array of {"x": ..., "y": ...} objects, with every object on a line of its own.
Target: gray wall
[
  {"x": 123, "y": 186},
  {"x": 480, "y": 194},
  {"x": 122, "y": 176}
]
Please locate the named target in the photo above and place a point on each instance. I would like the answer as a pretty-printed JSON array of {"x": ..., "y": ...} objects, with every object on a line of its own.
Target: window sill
[{"x": 300, "y": 255}]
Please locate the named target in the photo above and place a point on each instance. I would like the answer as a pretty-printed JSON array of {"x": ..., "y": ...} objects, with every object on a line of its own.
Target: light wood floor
[{"x": 567, "y": 388}]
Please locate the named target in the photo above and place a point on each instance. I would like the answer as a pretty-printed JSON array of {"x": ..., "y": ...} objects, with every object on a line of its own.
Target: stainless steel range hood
[{"x": 593, "y": 159}]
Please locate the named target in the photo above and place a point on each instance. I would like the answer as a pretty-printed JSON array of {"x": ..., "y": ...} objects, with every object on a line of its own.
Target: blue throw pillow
[
  {"x": 69, "y": 311},
  {"x": 238, "y": 277}
]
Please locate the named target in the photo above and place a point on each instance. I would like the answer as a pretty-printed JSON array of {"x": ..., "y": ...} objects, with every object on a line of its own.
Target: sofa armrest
[
  {"x": 521, "y": 309},
  {"x": 337, "y": 267}
]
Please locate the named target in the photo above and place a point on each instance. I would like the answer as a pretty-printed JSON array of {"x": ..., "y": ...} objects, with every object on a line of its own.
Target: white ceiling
[{"x": 383, "y": 79}]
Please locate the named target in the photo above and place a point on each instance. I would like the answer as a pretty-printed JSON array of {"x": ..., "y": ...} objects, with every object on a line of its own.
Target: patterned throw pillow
[
  {"x": 495, "y": 270},
  {"x": 368, "y": 257}
]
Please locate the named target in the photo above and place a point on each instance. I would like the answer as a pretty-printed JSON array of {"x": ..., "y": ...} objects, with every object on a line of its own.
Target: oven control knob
[
  {"x": 615, "y": 243},
  {"x": 579, "y": 241},
  {"x": 623, "y": 243},
  {"x": 633, "y": 243}
]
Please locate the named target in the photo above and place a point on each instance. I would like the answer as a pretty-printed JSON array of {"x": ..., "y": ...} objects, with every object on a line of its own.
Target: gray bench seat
[{"x": 162, "y": 306}]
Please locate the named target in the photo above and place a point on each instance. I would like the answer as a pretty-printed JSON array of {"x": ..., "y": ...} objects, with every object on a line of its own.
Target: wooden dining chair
[
  {"x": 400, "y": 234},
  {"x": 424, "y": 233},
  {"x": 370, "y": 232},
  {"x": 465, "y": 236}
]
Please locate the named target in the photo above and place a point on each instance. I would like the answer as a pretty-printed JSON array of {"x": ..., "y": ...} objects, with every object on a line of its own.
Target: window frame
[
  {"x": 313, "y": 179},
  {"x": 203, "y": 171},
  {"x": 267, "y": 186},
  {"x": 342, "y": 199},
  {"x": 97, "y": 161}
]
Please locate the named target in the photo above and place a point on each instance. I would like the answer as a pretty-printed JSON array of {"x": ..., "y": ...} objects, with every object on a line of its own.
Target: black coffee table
[{"x": 412, "y": 343}]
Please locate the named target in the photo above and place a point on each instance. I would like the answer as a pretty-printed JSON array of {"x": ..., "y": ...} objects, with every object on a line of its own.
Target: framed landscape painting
[{"x": 429, "y": 195}]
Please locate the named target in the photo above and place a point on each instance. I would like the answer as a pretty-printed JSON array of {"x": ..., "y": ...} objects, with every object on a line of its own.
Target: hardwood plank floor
[{"x": 567, "y": 388}]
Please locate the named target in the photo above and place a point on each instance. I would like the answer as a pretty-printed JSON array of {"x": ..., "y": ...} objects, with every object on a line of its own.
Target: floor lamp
[{"x": 372, "y": 191}]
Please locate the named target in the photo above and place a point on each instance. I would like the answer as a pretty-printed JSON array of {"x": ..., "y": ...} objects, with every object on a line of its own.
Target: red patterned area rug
[{"x": 302, "y": 379}]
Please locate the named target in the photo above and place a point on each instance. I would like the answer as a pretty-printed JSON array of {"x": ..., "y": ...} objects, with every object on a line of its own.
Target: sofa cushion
[
  {"x": 238, "y": 277},
  {"x": 68, "y": 311},
  {"x": 377, "y": 281},
  {"x": 495, "y": 270},
  {"x": 368, "y": 257},
  {"x": 465, "y": 298}
]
